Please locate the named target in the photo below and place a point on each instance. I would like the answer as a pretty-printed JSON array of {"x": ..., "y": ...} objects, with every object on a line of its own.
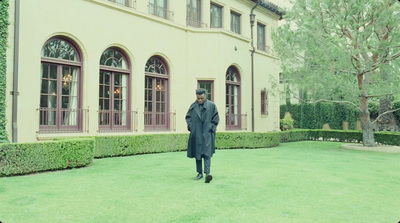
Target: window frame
[
  {"x": 239, "y": 18},
  {"x": 195, "y": 22},
  {"x": 114, "y": 71},
  {"x": 155, "y": 77},
  {"x": 60, "y": 64},
  {"x": 261, "y": 42},
  {"x": 211, "y": 82},
  {"x": 220, "y": 20},
  {"x": 229, "y": 85}
]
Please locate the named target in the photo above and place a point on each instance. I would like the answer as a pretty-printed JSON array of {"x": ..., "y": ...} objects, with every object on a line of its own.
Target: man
[{"x": 202, "y": 120}]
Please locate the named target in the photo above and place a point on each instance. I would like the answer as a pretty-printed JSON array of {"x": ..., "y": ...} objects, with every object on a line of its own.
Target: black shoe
[
  {"x": 199, "y": 176},
  {"x": 208, "y": 179}
]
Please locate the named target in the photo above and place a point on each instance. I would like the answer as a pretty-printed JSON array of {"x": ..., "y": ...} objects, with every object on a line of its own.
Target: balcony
[
  {"x": 127, "y": 3},
  {"x": 195, "y": 23},
  {"x": 53, "y": 120},
  {"x": 161, "y": 12},
  {"x": 117, "y": 121},
  {"x": 263, "y": 47},
  {"x": 236, "y": 121},
  {"x": 160, "y": 121}
]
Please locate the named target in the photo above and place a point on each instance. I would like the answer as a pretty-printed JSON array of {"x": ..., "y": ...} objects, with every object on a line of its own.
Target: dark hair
[{"x": 200, "y": 91}]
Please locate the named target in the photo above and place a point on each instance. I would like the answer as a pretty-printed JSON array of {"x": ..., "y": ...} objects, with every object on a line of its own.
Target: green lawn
[{"x": 295, "y": 182}]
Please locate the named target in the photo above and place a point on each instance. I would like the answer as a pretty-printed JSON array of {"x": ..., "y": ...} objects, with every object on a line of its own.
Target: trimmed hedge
[
  {"x": 3, "y": 76},
  {"x": 24, "y": 158},
  {"x": 385, "y": 138},
  {"x": 110, "y": 146},
  {"x": 233, "y": 140},
  {"x": 314, "y": 116}
]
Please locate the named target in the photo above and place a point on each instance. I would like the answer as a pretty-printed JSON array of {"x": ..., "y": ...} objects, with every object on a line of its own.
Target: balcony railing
[
  {"x": 127, "y": 3},
  {"x": 53, "y": 120},
  {"x": 161, "y": 12},
  {"x": 263, "y": 47},
  {"x": 236, "y": 121},
  {"x": 195, "y": 23},
  {"x": 160, "y": 121},
  {"x": 117, "y": 121}
]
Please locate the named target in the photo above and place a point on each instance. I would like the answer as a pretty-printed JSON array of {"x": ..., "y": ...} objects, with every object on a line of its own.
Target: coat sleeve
[
  {"x": 188, "y": 119},
  {"x": 214, "y": 119}
]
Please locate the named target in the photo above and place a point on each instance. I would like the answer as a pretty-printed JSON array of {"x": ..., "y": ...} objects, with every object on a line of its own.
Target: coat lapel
[{"x": 197, "y": 109}]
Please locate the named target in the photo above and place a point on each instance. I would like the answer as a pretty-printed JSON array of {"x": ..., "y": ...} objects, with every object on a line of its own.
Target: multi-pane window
[
  {"x": 114, "y": 112},
  {"x": 60, "y": 87},
  {"x": 232, "y": 106},
  {"x": 235, "y": 22},
  {"x": 215, "y": 16},
  {"x": 193, "y": 13},
  {"x": 159, "y": 8},
  {"x": 261, "y": 37},
  {"x": 156, "y": 115},
  {"x": 209, "y": 86}
]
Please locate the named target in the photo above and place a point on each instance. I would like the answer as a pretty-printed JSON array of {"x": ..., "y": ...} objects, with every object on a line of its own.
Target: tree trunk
[
  {"x": 386, "y": 122},
  {"x": 366, "y": 124}
]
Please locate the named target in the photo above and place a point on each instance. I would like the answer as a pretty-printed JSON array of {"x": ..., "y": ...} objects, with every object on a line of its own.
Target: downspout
[
  {"x": 252, "y": 21},
  {"x": 15, "y": 92}
]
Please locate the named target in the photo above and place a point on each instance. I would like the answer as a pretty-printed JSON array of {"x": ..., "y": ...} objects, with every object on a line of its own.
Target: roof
[{"x": 271, "y": 7}]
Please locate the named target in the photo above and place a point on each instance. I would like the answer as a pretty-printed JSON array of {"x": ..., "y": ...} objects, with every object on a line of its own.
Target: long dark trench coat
[{"x": 202, "y": 127}]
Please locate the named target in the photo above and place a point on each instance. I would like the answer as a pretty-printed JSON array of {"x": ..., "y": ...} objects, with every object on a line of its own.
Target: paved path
[{"x": 378, "y": 148}]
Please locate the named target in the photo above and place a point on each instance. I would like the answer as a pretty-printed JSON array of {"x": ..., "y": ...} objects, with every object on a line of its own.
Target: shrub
[
  {"x": 23, "y": 158},
  {"x": 287, "y": 122}
]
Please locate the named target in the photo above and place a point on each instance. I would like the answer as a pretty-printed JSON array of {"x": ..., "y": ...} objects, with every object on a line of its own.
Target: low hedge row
[
  {"x": 385, "y": 138},
  {"x": 62, "y": 153},
  {"x": 23, "y": 158}
]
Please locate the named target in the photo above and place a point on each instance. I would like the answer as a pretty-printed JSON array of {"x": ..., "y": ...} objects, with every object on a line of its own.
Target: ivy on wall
[{"x": 3, "y": 78}]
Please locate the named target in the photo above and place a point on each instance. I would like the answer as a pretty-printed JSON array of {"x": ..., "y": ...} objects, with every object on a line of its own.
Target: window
[
  {"x": 60, "y": 99},
  {"x": 235, "y": 22},
  {"x": 159, "y": 8},
  {"x": 232, "y": 107},
  {"x": 209, "y": 86},
  {"x": 264, "y": 101},
  {"x": 261, "y": 37},
  {"x": 156, "y": 116},
  {"x": 114, "y": 112},
  {"x": 215, "y": 16},
  {"x": 194, "y": 13}
]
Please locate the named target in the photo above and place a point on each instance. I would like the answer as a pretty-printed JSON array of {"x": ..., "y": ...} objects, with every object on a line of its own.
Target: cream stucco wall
[{"x": 192, "y": 54}]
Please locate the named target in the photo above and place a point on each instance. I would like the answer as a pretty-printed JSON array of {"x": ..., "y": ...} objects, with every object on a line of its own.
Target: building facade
[{"x": 123, "y": 67}]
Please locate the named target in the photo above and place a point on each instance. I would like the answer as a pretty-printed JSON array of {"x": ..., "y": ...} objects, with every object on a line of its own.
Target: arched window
[
  {"x": 232, "y": 107},
  {"x": 60, "y": 98},
  {"x": 156, "y": 107},
  {"x": 114, "y": 107}
]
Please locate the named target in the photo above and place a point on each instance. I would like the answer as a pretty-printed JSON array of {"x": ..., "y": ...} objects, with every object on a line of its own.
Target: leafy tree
[{"x": 337, "y": 50}]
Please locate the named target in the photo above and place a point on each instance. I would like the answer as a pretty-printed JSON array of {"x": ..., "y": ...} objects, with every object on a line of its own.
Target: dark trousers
[{"x": 207, "y": 164}]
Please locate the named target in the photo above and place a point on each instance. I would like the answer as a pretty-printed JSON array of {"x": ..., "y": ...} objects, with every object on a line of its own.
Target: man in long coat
[{"x": 202, "y": 120}]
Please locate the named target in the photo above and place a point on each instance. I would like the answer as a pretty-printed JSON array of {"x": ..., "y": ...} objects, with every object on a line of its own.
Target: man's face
[{"x": 200, "y": 98}]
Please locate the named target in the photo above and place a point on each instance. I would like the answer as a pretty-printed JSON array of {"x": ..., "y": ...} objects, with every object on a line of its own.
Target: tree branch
[
  {"x": 324, "y": 100},
  {"x": 386, "y": 112},
  {"x": 380, "y": 95}
]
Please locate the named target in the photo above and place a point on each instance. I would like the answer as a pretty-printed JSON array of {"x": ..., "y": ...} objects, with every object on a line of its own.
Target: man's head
[{"x": 201, "y": 95}]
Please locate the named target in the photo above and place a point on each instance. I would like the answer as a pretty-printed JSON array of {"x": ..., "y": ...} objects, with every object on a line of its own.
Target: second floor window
[
  {"x": 194, "y": 13},
  {"x": 215, "y": 16},
  {"x": 261, "y": 37},
  {"x": 235, "y": 22},
  {"x": 159, "y": 8},
  {"x": 209, "y": 86}
]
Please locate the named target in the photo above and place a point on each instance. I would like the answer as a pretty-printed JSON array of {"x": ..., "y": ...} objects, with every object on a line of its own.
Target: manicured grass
[{"x": 295, "y": 182}]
